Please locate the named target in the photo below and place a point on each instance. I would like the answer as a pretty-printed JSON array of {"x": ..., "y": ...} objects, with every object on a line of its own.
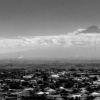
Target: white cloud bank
[{"x": 58, "y": 40}]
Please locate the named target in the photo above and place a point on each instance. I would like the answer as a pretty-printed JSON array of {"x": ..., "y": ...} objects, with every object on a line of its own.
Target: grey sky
[{"x": 46, "y": 17}]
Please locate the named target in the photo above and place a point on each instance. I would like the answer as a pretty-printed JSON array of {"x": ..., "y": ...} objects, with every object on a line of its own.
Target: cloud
[
  {"x": 79, "y": 30},
  {"x": 48, "y": 41}
]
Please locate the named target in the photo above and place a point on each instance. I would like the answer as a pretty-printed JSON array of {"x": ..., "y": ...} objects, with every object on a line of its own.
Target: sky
[
  {"x": 46, "y": 17},
  {"x": 43, "y": 26}
]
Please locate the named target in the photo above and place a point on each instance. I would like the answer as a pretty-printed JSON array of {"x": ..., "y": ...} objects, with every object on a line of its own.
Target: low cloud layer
[
  {"x": 67, "y": 40},
  {"x": 60, "y": 40}
]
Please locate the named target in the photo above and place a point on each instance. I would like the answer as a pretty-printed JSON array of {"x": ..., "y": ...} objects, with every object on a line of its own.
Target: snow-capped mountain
[{"x": 92, "y": 29}]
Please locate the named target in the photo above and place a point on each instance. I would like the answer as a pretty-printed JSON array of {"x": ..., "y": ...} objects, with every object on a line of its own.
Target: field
[{"x": 47, "y": 64}]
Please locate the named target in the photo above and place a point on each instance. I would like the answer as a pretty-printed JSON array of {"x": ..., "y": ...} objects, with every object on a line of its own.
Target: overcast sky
[{"x": 47, "y": 17}]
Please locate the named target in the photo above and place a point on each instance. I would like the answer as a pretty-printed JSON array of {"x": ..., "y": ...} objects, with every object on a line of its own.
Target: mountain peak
[{"x": 91, "y": 29}]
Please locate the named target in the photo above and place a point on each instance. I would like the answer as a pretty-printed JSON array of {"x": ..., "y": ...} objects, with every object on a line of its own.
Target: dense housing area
[{"x": 74, "y": 83}]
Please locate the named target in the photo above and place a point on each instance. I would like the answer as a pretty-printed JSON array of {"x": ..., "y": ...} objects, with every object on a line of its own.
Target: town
[{"x": 33, "y": 83}]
